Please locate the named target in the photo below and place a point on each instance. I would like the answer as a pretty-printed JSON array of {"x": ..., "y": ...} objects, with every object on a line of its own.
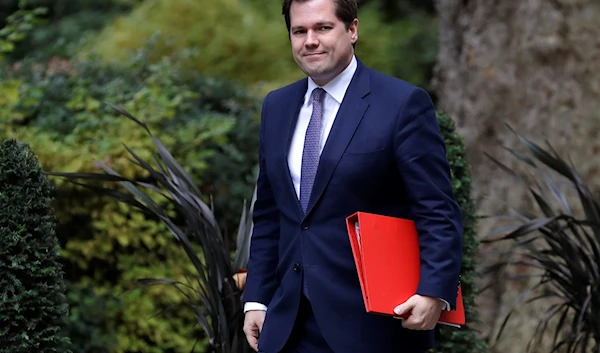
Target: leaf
[
  {"x": 146, "y": 282},
  {"x": 6, "y": 46},
  {"x": 510, "y": 313},
  {"x": 558, "y": 195},
  {"x": 92, "y": 104},
  {"x": 531, "y": 226},
  {"x": 521, "y": 156},
  {"x": 506, "y": 169},
  {"x": 88, "y": 176},
  {"x": 543, "y": 156},
  {"x": 244, "y": 235},
  {"x": 125, "y": 113},
  {"x": 543, "y": 324}
]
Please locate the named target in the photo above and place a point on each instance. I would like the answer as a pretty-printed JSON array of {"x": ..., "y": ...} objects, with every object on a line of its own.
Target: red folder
[{"x": 386, "y": 253}]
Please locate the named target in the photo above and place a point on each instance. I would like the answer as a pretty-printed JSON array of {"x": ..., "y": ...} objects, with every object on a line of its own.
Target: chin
[{"x": 316, "y": 71}]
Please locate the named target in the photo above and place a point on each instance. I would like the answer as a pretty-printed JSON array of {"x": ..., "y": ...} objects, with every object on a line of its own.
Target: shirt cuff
[
  {"x": 446, "y": 304},
  {"x": 254, "y": 306}
]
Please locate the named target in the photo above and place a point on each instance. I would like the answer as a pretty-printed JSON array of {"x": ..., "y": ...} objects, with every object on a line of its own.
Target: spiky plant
[
  {"x": 216, "y": 297},
  {"x": 32, "y": 292},
  {"x": 562, "y": 240}
]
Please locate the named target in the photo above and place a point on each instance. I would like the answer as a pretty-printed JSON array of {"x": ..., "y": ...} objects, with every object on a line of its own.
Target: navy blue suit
[{"x": 385, "y": 155}]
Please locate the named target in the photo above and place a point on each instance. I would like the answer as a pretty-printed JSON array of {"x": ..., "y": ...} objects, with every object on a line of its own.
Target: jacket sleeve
[
  {"x": 261, "y": 282},
  {"x": 425, "y": 171}
]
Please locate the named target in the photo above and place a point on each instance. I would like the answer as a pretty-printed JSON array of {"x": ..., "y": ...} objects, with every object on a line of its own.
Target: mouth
[{"x": 313, "y": 55}]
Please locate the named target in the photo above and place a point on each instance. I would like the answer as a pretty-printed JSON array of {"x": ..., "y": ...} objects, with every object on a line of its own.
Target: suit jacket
[{"x": 385, "y": 154}]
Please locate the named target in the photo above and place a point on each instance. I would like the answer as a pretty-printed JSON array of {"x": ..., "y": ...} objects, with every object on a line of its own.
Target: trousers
[{"x": 306, "y": 336}]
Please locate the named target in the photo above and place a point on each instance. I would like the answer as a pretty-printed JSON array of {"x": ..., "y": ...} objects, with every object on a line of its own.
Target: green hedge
[
  {"x": 465, "y": 339},
  {"x": 58, "y": 110},
  {"x": 33, "y": 306}
]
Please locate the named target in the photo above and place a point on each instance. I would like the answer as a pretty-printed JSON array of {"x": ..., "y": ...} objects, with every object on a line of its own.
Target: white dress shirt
[{"x": 335, "y": 92}]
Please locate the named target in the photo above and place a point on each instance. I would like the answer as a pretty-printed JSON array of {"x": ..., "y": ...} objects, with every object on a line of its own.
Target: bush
[
  {"x": 68, "y": 23},
  {"x": 463, "y": 340},
  {"x": 213, "y": 291},
  {"x": 89, "y": 327},
  {"x": 32, "y": 292},
  {"x": 58, "y": 109},
  {"x": 246, "y": 41}
]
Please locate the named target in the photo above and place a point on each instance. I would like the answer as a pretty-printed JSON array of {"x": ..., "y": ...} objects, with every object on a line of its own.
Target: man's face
[{"x": 321, "y": 44}]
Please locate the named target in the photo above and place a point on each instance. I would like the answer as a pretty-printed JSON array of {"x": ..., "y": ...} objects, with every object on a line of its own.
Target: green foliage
[
  {"x": 463, "y": 340},
  {"x": 89, "y": 328},
  {"x": 107, "y": 246},
  {"x": 399, "y": 8},
  {"x": 68, "y": 24},
  {"x": 32, "y": 292},
  {"x": 60, "y": 38},
  {"x": 18, "y": 25},
  {"x": 225, "y": 38},
  {"x": 247, "y": 41},
  {"x": 562, "y": 239},
  {"x": 211, "y": 292},
  {"x": 416, "y": 49}
]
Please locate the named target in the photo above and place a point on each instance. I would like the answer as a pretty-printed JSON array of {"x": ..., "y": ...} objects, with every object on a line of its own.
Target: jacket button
[
  {"x": 296, "y": 267},
  {"x": 305, "y": 225}
]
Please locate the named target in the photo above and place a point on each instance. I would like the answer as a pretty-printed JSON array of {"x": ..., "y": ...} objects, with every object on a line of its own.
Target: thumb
[{"x": 404, "y": 308}]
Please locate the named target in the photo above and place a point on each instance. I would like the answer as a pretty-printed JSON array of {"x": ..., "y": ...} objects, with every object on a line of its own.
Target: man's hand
[
  {"x": 423, "y": 312},
  {"x": 253, "y": 323}
]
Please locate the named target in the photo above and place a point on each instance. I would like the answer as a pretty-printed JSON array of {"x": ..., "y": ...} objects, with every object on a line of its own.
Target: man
[{"x": 345, "y": 139}]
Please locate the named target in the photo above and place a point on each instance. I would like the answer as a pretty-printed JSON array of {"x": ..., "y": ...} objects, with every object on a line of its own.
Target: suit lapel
[
  {"x": 349, "y": 115},
  {"x": 288, "y": 117}
]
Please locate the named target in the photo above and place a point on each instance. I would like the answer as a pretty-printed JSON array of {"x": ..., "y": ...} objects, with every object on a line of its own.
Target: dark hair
[{"x": 345, "y": 10}]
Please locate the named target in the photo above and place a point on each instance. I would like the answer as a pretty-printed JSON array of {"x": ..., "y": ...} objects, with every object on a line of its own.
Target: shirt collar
[{"x": 337, "y": 87}]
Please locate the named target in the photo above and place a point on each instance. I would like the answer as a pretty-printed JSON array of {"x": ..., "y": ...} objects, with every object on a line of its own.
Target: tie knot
[{"x": 318, "y": 94}]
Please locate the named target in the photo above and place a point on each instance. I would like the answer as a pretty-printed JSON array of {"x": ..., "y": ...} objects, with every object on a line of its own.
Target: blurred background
[{"x": 196, "y": 71}]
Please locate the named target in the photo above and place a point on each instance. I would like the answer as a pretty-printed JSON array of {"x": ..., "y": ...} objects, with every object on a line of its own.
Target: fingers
[
  {"x": 252, "y": 333},
  {"x": 253, "y": 323},
  {"x": 405, "y": 308},
  {"x": 253, "y": 342},
  {"x": 419, "y": 313},
  {"x": 418, "y": 322}
]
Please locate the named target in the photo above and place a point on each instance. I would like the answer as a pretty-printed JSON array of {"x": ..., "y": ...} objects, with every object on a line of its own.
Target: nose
[{"x": 312, "y": 39}]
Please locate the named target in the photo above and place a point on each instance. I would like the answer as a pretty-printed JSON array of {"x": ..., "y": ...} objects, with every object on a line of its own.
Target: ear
[{"x": 353, "y": 29}]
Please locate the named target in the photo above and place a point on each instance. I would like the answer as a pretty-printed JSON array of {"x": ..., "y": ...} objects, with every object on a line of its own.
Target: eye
[
  {"x": 325, "y": 28},
  {"x": 299, "y": 31}
]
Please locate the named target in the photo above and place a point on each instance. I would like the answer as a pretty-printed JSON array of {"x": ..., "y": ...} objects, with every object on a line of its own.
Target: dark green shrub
[
  {"x": 33, "y": 306},
  {"x": 463, "y": 340}
]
